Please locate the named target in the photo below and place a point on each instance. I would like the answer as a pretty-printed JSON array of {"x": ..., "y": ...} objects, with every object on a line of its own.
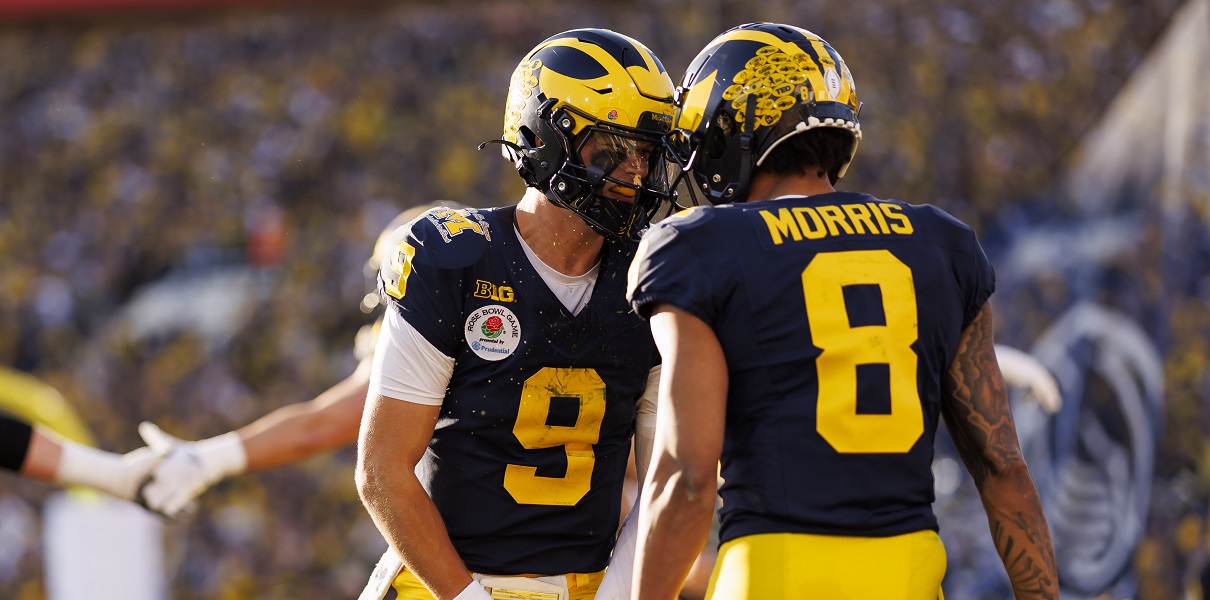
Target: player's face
[{"x": 624, "y": 159}]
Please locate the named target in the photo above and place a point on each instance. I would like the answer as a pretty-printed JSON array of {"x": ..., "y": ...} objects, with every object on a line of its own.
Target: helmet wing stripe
[
  {"x": 652, "y": 83},
  {"x": 821, "y": 58},
  {"x": 695, "y": 102},
  {"x": 765, "y": 38},
  {"x": 649, "y": 60},
  {"x": 586, "y": 58},
  {"x": 625, "y": 51}
]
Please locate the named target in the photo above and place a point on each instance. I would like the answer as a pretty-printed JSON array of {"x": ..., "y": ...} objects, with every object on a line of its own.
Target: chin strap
[{"x": 739, "y": 192}]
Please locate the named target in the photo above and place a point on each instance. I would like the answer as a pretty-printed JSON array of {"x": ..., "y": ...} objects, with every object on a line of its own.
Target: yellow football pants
[{"x": 803, "y": 567}]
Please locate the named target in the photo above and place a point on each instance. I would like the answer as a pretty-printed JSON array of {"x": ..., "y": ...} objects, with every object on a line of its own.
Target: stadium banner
[{"x": 1122, "y": 276}]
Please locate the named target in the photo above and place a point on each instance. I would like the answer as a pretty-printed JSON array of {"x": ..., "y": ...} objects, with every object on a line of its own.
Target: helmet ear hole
[
  {"x": 531, "y": 139},
  {"x": 716, "y": 139}
]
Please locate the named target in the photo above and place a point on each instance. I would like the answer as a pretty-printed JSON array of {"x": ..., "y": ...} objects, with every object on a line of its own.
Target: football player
[
  {"x": 510, "y": 372},
  {"x": 285, "y": 436},
  {"x": 814, "y": 352}
]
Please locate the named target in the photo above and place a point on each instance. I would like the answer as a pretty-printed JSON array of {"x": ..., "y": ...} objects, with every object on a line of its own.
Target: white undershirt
[
  {"x": 406, "y": 366},
  {"x": 574, "y": 291}
]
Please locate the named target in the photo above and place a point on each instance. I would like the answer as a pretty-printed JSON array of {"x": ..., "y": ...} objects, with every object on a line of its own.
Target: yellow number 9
[
  {"x": 395, "y": 276},
  {"x": 844, "y": 347},
  {"x": 522, "y": 482}
]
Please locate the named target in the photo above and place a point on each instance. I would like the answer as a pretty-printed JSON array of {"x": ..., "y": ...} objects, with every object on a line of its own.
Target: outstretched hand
[
  {"x": 179, "y": 478},
  {"x": 135, "y": 470}
]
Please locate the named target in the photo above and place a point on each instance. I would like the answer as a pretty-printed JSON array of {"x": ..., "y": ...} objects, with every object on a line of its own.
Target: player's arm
[
  {"x": 299, "y": 431},
  {"x": 679, "y": 495},
  {"x": 394, "y": 436},
  {"x": 285, "y": 436},
  {"x": 977, "y": 414},
  {"x": 619, "y": 576},
  {"x": 38, "y": 453},
  {"x": 407, "y": 387},
  {"x": 396, "y": 427}
]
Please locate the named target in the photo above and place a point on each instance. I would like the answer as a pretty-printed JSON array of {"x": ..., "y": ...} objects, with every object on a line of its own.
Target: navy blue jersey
[
  {"x": 528, "y": 458},
  {"x": 838, "y": 315}
]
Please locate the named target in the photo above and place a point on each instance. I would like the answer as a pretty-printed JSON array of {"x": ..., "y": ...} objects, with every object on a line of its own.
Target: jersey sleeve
[
  {"x": 406, "y": 367},
  {"x": 983, "y": 281},
  {"x": 421, "y": 276},
  {"x": 976, "y": 278},
  {"x": 667, "y": 269}
]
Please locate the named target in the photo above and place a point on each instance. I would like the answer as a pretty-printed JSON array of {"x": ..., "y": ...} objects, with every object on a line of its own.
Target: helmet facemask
[
  {"x": 559, "y": 171},
  {"x": 613, "y": 177}
]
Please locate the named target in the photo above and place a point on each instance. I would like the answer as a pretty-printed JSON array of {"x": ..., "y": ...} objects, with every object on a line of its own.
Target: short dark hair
[{"x": 822, "y": 150}]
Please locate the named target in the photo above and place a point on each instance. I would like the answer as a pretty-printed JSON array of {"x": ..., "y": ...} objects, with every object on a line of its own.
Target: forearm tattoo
[{"x": 980, "y": 422}]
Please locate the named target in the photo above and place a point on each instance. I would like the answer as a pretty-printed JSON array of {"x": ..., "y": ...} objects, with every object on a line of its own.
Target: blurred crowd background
[{"x": 187, "y": 199}]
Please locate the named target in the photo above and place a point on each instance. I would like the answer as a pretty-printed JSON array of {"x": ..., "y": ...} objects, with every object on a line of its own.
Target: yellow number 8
[
  {"x": 844, "y": 347},
  {"x": 523, "y": 483}
]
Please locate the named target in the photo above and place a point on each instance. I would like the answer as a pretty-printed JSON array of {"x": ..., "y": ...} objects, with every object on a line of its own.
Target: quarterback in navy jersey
[
  {"x": 535, "y": 425},
  {"x": 812, "y": 340},
  {"x": 511, "y": 374}
]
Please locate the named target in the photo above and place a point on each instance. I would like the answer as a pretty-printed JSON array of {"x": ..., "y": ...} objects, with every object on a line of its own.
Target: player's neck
[
  {"x": 766, "y": 186},
  {"x": 558, "y": 236}
]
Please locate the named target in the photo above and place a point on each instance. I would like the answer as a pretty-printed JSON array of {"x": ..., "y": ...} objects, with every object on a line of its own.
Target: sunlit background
[{"x": 189, "y": 190}]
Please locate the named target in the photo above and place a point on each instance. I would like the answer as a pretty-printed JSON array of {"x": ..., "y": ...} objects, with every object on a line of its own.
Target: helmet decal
[
  {"x": 737, "y": 94},
  {"x": 521, "y": 88}
]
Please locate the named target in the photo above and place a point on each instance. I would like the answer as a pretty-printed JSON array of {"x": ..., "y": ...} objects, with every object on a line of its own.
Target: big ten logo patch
[{"x": 491, "y": 291}]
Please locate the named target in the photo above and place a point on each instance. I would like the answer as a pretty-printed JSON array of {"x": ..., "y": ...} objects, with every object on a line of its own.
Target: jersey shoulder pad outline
[
  {"x": 940, "y": 216},
  {"x": 689, "y": 218},
  {"x": 434, "y": 246},
  {"x": 447, "y": 238}
]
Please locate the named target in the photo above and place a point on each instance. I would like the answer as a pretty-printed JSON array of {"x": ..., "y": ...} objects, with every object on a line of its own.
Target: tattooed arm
[{"x": 977, "y": 414}]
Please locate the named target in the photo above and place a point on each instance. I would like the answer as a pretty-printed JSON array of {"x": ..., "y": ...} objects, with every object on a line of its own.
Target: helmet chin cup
[{"x": 608, "y": 217}]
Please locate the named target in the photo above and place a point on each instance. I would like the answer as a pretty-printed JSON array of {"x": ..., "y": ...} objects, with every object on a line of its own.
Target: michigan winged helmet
[
  {"x": 752, "y": 88},
  {"x": 600, "y": 85}
]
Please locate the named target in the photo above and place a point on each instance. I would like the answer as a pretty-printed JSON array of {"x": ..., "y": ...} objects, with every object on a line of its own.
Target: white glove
[
  {"x": 118, "y": 475},
  {"x": 473, "y": 591},
  {"x": 188, "y": 468}
]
